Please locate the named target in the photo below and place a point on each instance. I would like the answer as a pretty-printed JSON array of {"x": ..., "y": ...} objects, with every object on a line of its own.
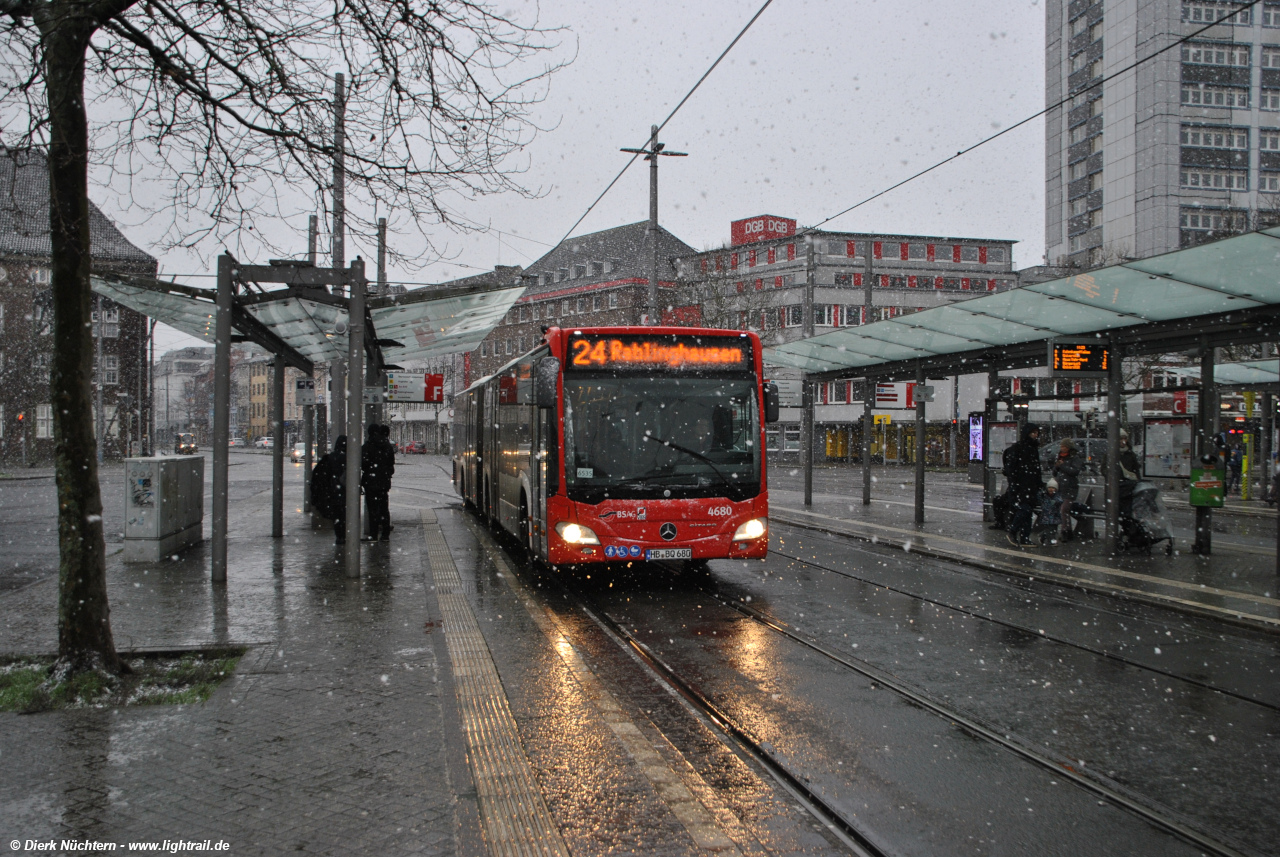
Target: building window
[
  {"x": 995, "y": 254},
  {"x": 1079, "y": 25},
  {"x": 916, "y": 251},
  {"x": 1, "y": 318},
  {"x": 1212, "y": 220},
  {"x": 1077, "y": 171},
  {"x": 795, "y": 315},
  {"x": 597, "y": 269},
  {"x": 839, "y": 392},
  {"x": 1270, "y": 99},
  {"x": 1270, "y": 56},
  {"x": 582, "y": 305},
  {"x": 595, "y": 303},
  {"x": 968, "y": 254},
  {"x": 1207, "y": 13},
  {"x": 41, "y": 276},
  {"x": 1269, "y": 140},
  {"x": 1209, "y": 137},
  {"x": 1079, "y": 61},
  {"x": 1215, "y": 179},
  {"x": 824, "y": 315},
  {"x": 613, "y": 300},
  {"x": 1270, "y": 16},
  {"x": 852, "y": 315},
  {"x": 44, "y": 422},
  {"x": 1077, "y": 207},
  {"x": 1215, "y": 96},
  {"x": 1216, "y": 54},
  {"x": 484, "y": 349},
  {"x": 1269, "y": 182}
]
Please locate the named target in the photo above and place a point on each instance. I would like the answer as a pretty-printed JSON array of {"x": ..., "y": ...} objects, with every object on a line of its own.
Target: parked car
[
  {"x": 413, "y": 447},
  {"x": 264, "y": 442},
  {"x": 236, "y": 441},
  {"x": 299, "y": 452},
  {"x": 185, "y": 444}
]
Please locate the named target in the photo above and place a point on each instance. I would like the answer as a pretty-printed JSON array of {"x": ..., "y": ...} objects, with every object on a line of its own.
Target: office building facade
[{"x": 1183, "y": 149}]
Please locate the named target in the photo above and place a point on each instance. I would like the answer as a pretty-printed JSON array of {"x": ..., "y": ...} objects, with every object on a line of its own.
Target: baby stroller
[{"x": 1142, "y": 520}]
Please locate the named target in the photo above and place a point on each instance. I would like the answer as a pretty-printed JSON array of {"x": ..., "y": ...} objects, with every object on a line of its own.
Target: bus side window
[{"x": 549, "y": 448}]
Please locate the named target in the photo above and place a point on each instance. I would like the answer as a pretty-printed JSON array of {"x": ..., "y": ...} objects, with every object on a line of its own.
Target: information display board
[
  {"x": 1001, "y": 436},
  {"x": 1206, "y": 487},
  {"x": 415, "y": 387},
  {"x": 1079, "y": 359},
  {"x": 975, "y": 437},
  {"x": 1166, "y": 449}
]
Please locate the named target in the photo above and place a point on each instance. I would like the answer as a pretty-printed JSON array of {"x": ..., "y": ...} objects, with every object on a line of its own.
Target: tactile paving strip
[{"x": 515, "y": 819}]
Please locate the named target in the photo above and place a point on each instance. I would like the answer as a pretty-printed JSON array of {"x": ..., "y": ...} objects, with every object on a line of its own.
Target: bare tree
[
  {"x": 227, "y": 99},
  {"x": 725, "y": 300}
]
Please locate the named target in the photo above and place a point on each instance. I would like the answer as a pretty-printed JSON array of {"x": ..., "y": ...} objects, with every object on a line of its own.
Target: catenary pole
[
  {"x": 355, "y": 389},
  {"x": 989, "y": 412},
  {"x": 338, "y": 250},
  {"x": 221, "y": 416},
  {"x": 309, "y": 411},
  {"x": 651, "y": 155},
  {"x": 807, "y": 430},
  {"x": 1208, "y": 428}
]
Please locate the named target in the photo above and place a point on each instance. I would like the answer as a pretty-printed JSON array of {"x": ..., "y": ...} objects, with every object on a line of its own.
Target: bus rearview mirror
[
  {"x": 770, "y": 402},
  {"x": 546, "y": 378}
]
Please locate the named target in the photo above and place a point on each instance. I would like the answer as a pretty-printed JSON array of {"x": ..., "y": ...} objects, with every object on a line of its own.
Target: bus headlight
[
  {"x": 576, "y": 534},
  {"x": 753, "y": 529}
]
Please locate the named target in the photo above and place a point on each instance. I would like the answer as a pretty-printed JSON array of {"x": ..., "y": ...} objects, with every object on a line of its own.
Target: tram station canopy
[
  {"x": 1242, "y": 374},
  {"x": 409, "y": 327},
  {"x": 1225, "y": 288}
]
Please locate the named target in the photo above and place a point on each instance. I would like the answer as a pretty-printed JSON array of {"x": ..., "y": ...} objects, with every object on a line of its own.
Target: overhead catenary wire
[
  {"x": 664, "y": 122},
  {"x": 1060, "y": 103}
]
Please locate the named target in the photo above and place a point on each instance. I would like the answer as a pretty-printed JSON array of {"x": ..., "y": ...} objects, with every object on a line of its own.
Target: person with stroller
[
  {"x": 1022, "y": 469},
  {"x": 1066, "y": 471}
]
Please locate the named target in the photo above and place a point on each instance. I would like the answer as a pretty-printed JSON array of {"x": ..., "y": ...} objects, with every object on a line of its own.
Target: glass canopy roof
[
  {"x": 1238, "y": 374},
  {"x": 1232, "y": 274},
  {"x": 423, "y": 326}
]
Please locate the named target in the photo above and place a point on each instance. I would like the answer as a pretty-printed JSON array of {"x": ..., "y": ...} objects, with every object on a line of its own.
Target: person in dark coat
[
  {"x": 1022, "y": 469},
  {"x": 377, "y": 465},
  {"x": 329, "y": 487},
  {"x": 1067, "y": 469}
]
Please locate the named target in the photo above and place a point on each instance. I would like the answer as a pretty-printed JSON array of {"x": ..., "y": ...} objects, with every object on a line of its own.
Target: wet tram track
[
  {"x": 800, "y": 782},
  {"x": 1030, "y": 630},
  {"x": 815, "y": 791}
]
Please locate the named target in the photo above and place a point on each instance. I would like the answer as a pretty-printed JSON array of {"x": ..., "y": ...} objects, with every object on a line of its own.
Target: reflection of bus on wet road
[{"x": 609, "y": 444}]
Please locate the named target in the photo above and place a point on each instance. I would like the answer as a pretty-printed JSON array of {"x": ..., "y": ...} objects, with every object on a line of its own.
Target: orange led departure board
[
  {"x": 1078, "y": 359},
  {"x": 678, "y": 353}
]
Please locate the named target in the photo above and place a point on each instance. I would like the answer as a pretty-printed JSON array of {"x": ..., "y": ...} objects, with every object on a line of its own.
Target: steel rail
[
  {"x": 1034, "y": 632},
  {"x": 978, "y": 728}
]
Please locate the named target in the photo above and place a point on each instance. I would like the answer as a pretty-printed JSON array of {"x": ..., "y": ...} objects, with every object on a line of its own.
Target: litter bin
[{"x": 164, "y": 506}]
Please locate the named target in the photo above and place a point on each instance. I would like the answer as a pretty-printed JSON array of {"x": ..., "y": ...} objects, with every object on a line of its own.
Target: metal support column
[
  {"x": 1114, "y": 389},
  {"x": 920, "y": 446},
  {"x": 355, "y": 390},
  {"x": 989, "y": 412},
  {"x": 868, "y": 394},
  {"x": 806, "y": 438},
  {"x": 277, "y": 448},
  {"x": 308, "y": 441},
  {"x": 1265, "y": 452},
  {"x": 221, "y": 417},
  {"x": 1208, "y": 428}
]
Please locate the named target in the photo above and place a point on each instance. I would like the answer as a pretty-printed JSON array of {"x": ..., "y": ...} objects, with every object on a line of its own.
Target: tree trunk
[{"x": 84, "y": 621}]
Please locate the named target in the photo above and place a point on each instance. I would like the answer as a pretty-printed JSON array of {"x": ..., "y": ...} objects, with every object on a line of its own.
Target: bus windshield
[{"x": 661, "y": 437}]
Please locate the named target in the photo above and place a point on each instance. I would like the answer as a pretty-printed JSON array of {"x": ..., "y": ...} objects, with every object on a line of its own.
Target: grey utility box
[{"x": 164, "y": 506}]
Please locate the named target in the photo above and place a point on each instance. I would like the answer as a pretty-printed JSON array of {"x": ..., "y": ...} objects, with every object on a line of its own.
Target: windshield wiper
[{"x": 698, "y": 455}]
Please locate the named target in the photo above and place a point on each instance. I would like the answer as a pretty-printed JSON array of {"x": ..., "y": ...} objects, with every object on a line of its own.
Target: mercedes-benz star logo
[{"x": 667, "y": 531}]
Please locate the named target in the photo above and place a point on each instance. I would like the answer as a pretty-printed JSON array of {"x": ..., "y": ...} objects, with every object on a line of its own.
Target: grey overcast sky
[{"x": 820, "y": 105}]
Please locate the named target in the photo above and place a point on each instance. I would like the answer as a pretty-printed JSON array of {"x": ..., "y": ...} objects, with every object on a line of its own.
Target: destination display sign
[
  {"x": 671, "y": 353},
  {"x": 415, "y": 387},
  {"x": 1079, "y": 359}
]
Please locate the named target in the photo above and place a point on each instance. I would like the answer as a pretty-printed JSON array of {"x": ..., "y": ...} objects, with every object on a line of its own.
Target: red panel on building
[
  {"x": 955, "y": 252},
  {"x": 851, "y": 248},
  {"x": 762, "y": 228},
  {"x": 911, "y": 282},
  {"x": 982, "y": 255},
  {"x": 929, "y": 251},
  {"x": 991, "y": 285},
  {"x": 902, "y": 252},
  {"x": 791, "y": 252},
  {"x": 684, "y": 316},
  {"x": 773, "y": 255},
  {"x": 877, "y": 250},
  {"x": 751, "y": 259},
  {"x": 964, "y": 283},
  {"x": 884, "y": 281},
  {"x": 937, "y": 282},
  {"x": 777, "y": 282},
  {"x": 733, "y": 261},
  {"x": 759, "y": 284},
  {"x": 857, "y": 279}
]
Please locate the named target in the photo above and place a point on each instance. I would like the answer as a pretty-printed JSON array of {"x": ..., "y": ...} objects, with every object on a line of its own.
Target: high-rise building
[{"x": 1183, "y": 149}]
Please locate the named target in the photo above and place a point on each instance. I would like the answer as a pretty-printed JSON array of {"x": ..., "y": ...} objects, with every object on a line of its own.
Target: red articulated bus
[{"x": 622, "y": 443}]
